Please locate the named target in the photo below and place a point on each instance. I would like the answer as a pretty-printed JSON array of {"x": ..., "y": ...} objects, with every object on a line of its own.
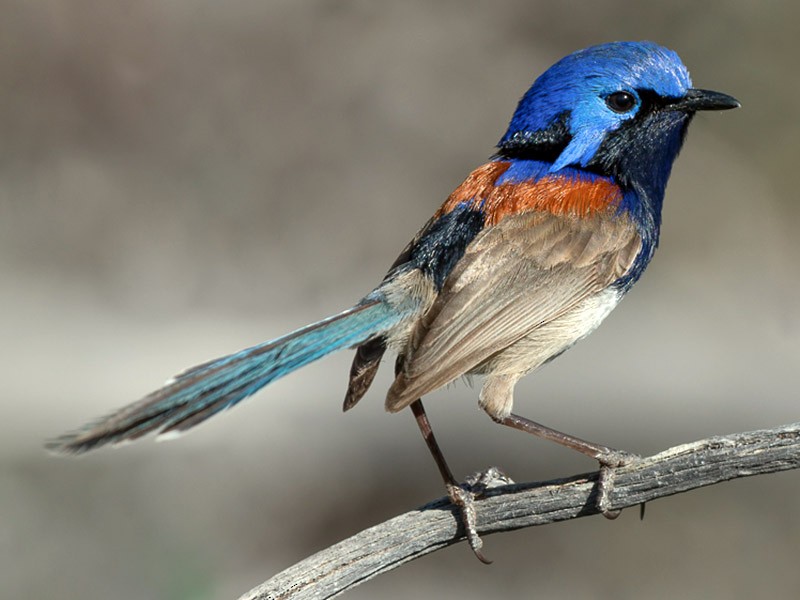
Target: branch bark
[{"x": 388, "y": 545}]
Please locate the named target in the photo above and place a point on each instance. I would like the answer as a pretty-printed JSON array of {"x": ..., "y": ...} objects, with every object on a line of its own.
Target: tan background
[{"x": 182, "y": 179}]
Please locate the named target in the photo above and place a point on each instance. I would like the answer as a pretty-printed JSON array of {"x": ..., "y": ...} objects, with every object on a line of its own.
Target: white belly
[{"x": 551, "y": 339}]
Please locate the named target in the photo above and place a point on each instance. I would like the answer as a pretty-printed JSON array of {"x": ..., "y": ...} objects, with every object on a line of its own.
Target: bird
[{"x": 524, "y": 258}]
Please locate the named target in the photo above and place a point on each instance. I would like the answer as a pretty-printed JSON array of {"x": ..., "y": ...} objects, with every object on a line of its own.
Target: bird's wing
[{"x": 514, "y": 277}]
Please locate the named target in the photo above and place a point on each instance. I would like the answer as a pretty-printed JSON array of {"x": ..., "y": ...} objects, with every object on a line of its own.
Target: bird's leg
[
  {"x": 608, "y": 458},
  {"x": 462, "y": 495}
]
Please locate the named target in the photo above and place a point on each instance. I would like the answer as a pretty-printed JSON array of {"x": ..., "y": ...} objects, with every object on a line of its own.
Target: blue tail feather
[{"x": 202, "y": 391}]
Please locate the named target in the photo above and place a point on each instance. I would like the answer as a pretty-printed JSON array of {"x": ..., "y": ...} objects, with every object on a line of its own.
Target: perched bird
[{"x": 527, "y": 256}]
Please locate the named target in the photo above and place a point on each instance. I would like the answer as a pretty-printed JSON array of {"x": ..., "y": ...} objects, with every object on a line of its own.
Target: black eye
[{"x": 621, "y": 102}]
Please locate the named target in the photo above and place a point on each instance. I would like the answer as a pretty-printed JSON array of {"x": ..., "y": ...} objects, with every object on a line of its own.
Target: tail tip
[{"x": 69, "y": 443}]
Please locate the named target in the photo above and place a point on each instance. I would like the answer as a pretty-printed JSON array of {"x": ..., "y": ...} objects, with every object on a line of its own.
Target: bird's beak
[{"x": 695, "y": 100}]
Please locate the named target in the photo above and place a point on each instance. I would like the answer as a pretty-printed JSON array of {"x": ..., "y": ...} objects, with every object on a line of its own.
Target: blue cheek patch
[
  {"x": 589, "y": 124},
  {"x": 580, "y": 150}
]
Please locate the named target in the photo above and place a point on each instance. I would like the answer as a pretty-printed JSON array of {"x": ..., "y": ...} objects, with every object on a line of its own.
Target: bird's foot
[
  {"x": 609, "y": 461},
  {"x": 464, "y": 496}
]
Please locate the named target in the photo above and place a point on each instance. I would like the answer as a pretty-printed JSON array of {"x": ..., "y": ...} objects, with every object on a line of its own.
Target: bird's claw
[
  {"x": 609, "y": 462},
  {"x": 464, "y": 495},
  {"x": 481, "y": 481}
]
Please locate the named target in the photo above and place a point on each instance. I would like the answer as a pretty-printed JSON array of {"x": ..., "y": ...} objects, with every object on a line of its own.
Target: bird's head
[{"x": 620, "y": 109}]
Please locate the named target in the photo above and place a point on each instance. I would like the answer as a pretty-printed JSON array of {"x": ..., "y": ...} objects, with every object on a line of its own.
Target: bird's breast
[{"x": 507, "y": 187}]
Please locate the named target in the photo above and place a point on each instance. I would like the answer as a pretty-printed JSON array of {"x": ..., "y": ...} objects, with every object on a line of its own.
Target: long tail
[{"x": 204, "y": 390}]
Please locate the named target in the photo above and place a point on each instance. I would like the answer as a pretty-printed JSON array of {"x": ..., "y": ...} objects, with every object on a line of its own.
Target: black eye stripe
[{"x": 621, "y": 102}]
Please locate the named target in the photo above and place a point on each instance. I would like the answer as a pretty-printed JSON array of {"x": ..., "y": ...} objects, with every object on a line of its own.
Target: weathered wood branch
[{"x": 436, "y": 525}]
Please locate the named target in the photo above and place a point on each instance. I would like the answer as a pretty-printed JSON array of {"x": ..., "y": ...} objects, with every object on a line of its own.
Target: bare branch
[{"x": 434, "y": 526}]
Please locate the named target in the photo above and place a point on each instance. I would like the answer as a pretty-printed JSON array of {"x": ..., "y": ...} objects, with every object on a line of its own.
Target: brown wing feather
[{"x": 515, "y": 277}]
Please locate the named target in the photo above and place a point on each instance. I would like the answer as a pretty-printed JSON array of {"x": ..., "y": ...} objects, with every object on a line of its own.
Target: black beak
[{"x": 695, "y": 100}]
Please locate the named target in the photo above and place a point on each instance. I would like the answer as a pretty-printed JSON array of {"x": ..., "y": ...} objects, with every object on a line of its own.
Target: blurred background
[{"x": 182, "y": 179}]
